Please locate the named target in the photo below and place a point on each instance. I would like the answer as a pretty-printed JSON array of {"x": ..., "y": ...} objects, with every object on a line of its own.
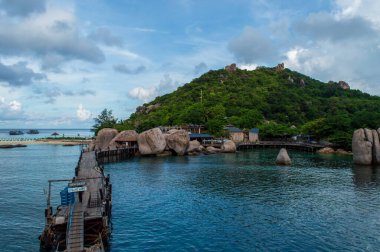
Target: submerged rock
[
  {"x": 151, "y": 142},
  {"x": 283, "y": 158},
  {"x": 342, "y": 152},
  {"x": 164, "y": 154},
  {"x": 362, "y": 147},
  {"x": 228, "y": 146},
  {"x": 178, "y": 140}
]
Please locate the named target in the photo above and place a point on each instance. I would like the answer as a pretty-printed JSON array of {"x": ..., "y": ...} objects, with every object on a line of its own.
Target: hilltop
[{"x": 277, "y": 100}]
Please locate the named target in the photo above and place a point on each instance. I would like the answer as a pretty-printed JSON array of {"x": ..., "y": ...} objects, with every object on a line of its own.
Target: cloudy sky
[{"x": 62, "y": 62}]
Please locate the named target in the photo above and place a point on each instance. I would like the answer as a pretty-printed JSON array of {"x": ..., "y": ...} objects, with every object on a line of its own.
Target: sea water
[
  {"x": 224, "y": 202},
  {"x": 43, "y": 133}
]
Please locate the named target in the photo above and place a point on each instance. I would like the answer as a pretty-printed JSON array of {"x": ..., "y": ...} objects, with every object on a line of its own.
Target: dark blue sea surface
[{"x": 224, "y": 202}]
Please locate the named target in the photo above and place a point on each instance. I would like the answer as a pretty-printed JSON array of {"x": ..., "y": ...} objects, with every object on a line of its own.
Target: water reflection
[{"x": 366, "y": 176}]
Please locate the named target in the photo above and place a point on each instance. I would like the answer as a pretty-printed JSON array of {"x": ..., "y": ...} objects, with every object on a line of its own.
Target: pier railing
[
  {"x": 310, "y": 147},
  {"x": 115, "y": 155}
]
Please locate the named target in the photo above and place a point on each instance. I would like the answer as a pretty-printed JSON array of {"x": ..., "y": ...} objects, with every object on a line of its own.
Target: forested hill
[{"x": 276, "y": 100}]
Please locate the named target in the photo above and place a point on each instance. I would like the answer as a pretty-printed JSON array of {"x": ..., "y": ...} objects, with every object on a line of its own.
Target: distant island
[{"x": 278, "y": 101}]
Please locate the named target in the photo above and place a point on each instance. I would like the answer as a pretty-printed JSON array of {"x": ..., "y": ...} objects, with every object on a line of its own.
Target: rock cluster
[
  {"x": 366, "y": 146},
  {"x": 231, "y": 68},
  {"x": 329, "y": 150},
  {"x": 155, "y": 142},
  {"x": 344, "y": 85},
  {"x": 147, "y": 109},
  {"x": 280, "y": 67}
]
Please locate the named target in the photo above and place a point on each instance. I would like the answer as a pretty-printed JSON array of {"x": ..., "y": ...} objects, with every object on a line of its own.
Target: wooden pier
[
  {"x": 82, "y": 223},
  {"x": 117, "y": 155},
  {"x": 308, "y": 147}
]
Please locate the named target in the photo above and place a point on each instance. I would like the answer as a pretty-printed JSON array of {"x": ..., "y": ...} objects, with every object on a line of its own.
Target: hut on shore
[
  {"x": 235, "y": 134},
  {"x": 126, "y": 138},
  {"x": 200, "y": 137},
  {"x": 253, "y": 135}
]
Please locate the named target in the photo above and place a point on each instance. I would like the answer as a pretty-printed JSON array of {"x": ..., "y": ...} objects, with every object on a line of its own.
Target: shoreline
[{"x": 45, "y": 141}]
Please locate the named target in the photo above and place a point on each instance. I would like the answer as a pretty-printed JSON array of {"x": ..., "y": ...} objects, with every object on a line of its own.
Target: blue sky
[{"x": 62, "y": 62}]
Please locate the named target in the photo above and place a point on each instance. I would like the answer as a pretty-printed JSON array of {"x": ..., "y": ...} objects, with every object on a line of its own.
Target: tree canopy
[{"x": 278, "y": 102}]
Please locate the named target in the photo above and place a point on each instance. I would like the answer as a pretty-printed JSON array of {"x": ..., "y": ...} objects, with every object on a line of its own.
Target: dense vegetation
[{"x": 280, "y": 103}]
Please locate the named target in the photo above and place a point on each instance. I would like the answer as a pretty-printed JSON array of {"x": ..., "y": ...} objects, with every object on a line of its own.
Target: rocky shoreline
[{"x": 155, "y": 142}]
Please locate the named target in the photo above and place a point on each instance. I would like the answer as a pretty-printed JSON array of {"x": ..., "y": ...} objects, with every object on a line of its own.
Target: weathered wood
[{"x": 81, "y": 225}]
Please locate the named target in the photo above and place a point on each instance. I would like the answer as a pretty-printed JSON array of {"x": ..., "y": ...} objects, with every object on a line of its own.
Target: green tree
[{"x": 104, "y": 120}]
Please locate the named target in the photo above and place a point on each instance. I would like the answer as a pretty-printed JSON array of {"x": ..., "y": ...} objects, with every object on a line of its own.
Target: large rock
[
  {"x": 212, "y": 150},
  {"x": 375, "y": 148},
  {"x": 194, "y": 146},
  {"x": 326, "y": 150},
  {"x": 104, "y": 138},
  {"x": 178, "y": 140},
  {"x": 362, "y": 147},
  {"x": 283, "y": 158},
  {"x": 122, "y": 137},
  {"x": 151, "y": 142},
  {"x": 228, "y": 146},
  {"x": 368, "y": 135}
]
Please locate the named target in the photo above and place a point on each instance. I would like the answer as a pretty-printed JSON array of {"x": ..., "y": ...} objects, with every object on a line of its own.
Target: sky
[{"x": 63, "y": 61}]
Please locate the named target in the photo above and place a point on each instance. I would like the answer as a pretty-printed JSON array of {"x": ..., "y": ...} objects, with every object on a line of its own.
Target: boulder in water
[
  {"x": 194, "y": 146},
  {"x": 228, "y": 146},
  {"x": 283, "y": 158},
  {"x": 362, "y": 147},
  {"x": 104, "y": 137},
  {"x": 151, "y": 142},
  {"x": 212, "y": 150},
  {"x": 178, "y": 140}
]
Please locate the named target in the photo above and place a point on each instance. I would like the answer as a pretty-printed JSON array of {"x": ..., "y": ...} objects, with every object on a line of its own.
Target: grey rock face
[
  {"x": 151, "y": 142},
  {"x": 178, "y": 140},
  {"x": 375, "y": 148},
  {"x": 228, "y": 146},
  {"x": 362, "y": 147},
  {"x": 104, "y": 137}
]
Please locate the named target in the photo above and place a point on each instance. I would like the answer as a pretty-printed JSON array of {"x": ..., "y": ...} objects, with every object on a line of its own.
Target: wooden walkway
[
  {"x": 75, "y": 229},
  {"x": 84, "y": 225}
]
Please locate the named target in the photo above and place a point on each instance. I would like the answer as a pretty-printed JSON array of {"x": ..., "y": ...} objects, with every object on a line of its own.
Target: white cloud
[
  {"x": 142, "y": 93},
  {"x": 15, "y": 106},
  {"x": 53, "y": 36},
  {"x": 249, "y": 67},
  {"x": 10, "y": 110},
  {"x": 83, "y": 114}
]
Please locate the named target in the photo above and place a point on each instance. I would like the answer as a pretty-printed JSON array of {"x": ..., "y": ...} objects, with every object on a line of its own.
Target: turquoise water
[{"x": 226, "y": 202}]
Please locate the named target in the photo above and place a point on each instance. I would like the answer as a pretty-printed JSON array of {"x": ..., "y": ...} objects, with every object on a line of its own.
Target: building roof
[
  {"x": 233, "y": 129},
  {"x": 254, "y": 130},
  {"x": 202, "y": 135}
]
